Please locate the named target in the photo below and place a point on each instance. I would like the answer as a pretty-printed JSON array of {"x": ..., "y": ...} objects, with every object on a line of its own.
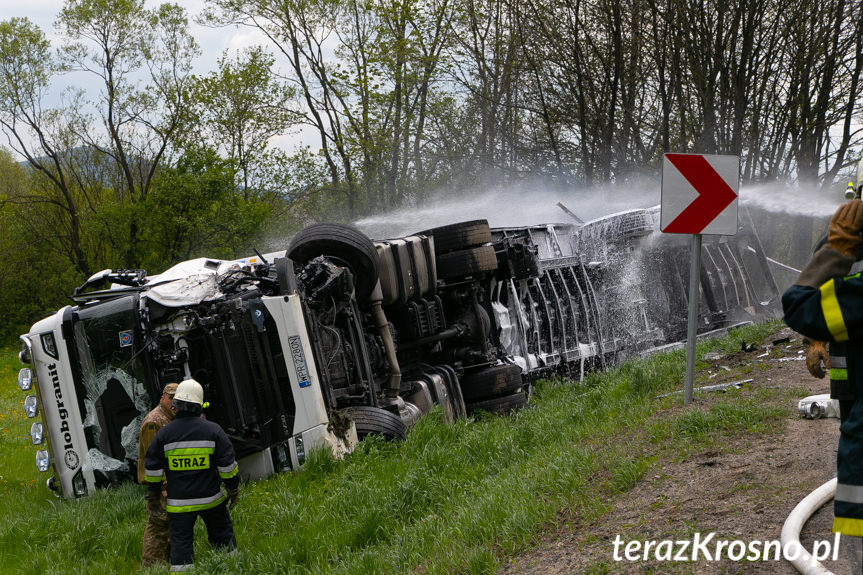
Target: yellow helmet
[{"x": 190, "y": 391}]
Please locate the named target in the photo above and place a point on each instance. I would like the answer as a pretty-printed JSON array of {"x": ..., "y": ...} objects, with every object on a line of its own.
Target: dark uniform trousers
[
  {"x": 220, "y": 532},
  {"x": 196, "y": 457}
]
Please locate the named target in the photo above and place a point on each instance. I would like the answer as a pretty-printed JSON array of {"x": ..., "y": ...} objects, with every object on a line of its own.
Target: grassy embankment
[{"x": 452, "y": 498}]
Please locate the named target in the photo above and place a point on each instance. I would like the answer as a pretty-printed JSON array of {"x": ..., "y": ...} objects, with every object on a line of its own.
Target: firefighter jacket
[
  {"x": 826, "y": 303},
  {"x": 841, "y": 387},
  {"x": 195, "y": 456}
]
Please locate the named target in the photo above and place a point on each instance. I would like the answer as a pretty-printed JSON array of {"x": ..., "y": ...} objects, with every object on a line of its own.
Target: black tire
[
  {"x": 466, "y": 262},
  {"x": 345, "y": 243},
  {"x": 376, "y": 421},
  {"x": 492, "y": 382},
  {"x": 499, "y": 405},
  {"x": 459, "y": 236}
]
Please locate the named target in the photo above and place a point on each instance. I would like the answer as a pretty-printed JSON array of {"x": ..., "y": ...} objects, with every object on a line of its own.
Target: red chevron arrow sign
[{"x": 699, "y": 194}]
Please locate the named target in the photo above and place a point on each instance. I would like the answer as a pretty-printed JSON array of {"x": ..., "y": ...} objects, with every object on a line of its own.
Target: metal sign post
[
  {"x": 699, "y": 196},
  {"x": 692, "y": 324}
]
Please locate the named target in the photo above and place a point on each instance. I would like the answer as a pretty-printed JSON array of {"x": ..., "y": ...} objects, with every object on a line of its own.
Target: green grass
[
  {"x": 18, "y": 473},
  {"x": 450, "y": 499}
]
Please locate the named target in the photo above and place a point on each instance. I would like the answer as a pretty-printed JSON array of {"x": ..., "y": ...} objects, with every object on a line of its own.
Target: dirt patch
[{"x": 742, "y": 490}]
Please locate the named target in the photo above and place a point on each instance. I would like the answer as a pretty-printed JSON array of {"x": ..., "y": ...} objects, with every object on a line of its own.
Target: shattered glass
[
  {"x": 95, "y": 386},
  {"x": 101, "y": 462},
  {"x": 111, "y": 386}
]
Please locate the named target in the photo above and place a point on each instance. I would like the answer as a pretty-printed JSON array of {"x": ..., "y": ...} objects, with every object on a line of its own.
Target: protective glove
[
  {"x": 233, "y": 497},
  {"x": 844, "y": 232},
  {"x": 816, "y": 355}
]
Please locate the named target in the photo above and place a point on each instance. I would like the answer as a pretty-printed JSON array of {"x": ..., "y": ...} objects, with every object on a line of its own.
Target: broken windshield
[{"x": 111, "y": 381}]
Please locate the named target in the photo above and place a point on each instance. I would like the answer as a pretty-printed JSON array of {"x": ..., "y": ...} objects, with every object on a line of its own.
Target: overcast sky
[{"x": 213, "y": 43}]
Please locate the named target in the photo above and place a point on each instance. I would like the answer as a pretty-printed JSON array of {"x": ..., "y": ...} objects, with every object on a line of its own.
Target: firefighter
[
  {"x": 820, "y": 356},
  {"x": 155, "y": 547},
  {"x": 826, "y": 304},
  {"x": 194, "y": 456}
]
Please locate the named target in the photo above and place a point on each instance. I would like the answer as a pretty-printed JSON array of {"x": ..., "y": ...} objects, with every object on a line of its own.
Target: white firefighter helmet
[{"x": 191, "y": 391}]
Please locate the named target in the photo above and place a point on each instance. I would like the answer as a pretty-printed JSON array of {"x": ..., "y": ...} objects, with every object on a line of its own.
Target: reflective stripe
[
  {"x": 190, "y": 451},
  {"x": 154, "y": 475},
  {"x": 199, "y": 504},
  {"x": 838, "y": 361},
  {"x": 838, "y": 374},
  {"x": 848, "y": 526},
  {"x": 229, "y": 471},
  {"x": 849, "y": 493},
  {"x": 185, "y": 444},
  {"x": 179, "y": 568},
  {"x": 832, "y": 312}
]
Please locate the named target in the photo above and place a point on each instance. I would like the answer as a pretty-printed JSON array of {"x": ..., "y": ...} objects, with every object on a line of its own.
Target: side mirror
[{"x": 94, "y": 280}]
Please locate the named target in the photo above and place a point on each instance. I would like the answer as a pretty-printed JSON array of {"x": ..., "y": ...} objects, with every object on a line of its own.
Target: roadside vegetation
[
  {"x": 119, "y": 151},
  {"x": 451, "y": 498}
]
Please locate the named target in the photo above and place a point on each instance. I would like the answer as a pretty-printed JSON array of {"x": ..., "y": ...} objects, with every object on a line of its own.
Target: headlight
[
  {"x": 51, "y": 483},
  {"x": 48, "y": 344},
  {"x": 31, "y": 406},
  {"x": 79, "y": 485},
  {"x": 37, "y": 433},
  {"x": 42, "y": 460},
  {"x": 25, "y": 379},
  {"x": 301, "y": 450}
]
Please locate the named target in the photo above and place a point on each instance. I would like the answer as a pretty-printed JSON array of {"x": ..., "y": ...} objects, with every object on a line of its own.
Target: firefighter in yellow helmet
[{"x": 196, "y": 457}]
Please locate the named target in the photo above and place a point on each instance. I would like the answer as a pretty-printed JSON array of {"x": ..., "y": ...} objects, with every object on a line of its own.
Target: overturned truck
[{"x": 340, "y": 336}]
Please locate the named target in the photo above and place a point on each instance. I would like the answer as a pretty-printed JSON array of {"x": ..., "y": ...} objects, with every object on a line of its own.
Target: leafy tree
[
  {"x": 192, "y": 210},
  {"x": 115, "y": 41},
  {"x": 41, "y": 136},
  {"x": 33, "y": 275},
  {"x": 242, "y": 105}
]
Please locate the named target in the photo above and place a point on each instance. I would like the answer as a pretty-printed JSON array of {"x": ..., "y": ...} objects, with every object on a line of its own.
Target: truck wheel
[
  {"x": 459, "y": 236},
  {"x": 500, "y": 405},
  {"x": 492, "y": 382},
  {"x": 342, "y": 242},
  {"x": 376, "y": 421},
  {"x": 466, "y": 262}
]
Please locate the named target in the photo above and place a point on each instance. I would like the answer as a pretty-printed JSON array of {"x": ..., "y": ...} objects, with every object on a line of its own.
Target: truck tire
[
  {"x": 342, "y": 242},
  {"x": 376, "y": 421},
  {"x": 499, "y": 405},
  {"x": 466, "y": 262},
  {"x": 492, "y": 382},
  {"x": 459, "y": 236}
]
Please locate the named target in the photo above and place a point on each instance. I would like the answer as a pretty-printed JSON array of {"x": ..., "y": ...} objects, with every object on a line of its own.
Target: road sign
[{"x": 699, "y": 194}]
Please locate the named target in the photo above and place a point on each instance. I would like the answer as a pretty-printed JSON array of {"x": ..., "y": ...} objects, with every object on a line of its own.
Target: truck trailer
[{"x": 340, "y": 336}]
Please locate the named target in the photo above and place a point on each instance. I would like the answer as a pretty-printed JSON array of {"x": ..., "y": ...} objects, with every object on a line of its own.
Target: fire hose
[{"x": 790, "y": 538}]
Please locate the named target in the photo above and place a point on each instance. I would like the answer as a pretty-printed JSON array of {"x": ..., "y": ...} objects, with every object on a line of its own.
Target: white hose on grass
[{"x": 805, "y": 563}]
